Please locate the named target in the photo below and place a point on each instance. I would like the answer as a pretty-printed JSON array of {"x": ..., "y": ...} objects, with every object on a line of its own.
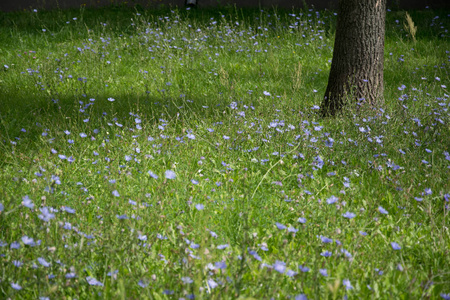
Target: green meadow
[{"x": 179, "y": 154}]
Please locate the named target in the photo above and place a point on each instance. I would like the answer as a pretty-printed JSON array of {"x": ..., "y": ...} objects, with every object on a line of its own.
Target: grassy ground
[{"x": 178, "y": 154}]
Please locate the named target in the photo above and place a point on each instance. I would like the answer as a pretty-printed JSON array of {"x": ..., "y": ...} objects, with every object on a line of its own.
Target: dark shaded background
[{"x": 12, "y": 5}]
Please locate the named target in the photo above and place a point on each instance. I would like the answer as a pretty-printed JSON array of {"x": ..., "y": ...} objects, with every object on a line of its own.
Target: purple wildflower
[
  {"x": 332, "y": 200},
  {"x": 395, "y": 246},
  {"x": 279, "y": 266},
  {"x": 26, "y": 201},
  {"x": 347, "y": 284},
  {"x": 153, "y": 175},
  {"x": 349, "y": 215},
  {"x": 93, "y": 281},
  {"x": 170, "y": 174}
]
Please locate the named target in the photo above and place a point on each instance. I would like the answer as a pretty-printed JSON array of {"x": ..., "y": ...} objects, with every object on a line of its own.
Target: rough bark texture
[{"x": 357, "y": 68}]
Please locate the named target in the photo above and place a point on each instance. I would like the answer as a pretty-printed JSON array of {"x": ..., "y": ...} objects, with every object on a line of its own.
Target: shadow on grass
[{"x": 33, "y": 119}]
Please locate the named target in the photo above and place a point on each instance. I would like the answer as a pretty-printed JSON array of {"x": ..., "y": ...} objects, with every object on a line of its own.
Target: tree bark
[{"x": 356, "y": 73}]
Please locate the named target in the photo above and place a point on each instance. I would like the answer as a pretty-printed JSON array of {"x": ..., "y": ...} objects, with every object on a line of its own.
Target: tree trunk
[{"x": 357, "y": 68}]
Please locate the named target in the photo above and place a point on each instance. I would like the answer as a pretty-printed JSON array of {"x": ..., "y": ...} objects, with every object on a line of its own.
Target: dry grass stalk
[{"x": 409, "y": 27}]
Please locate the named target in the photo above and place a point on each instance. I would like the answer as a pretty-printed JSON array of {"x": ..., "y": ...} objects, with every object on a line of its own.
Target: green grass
[{"x": 225, "y": 99}]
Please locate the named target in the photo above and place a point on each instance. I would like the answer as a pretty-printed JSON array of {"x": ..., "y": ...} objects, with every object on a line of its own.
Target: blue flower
[
  {"x": 445, "y": 296},
  {"x": 291, "y": 273},
  {"x": 382, "y": 210},
  {"x": 332, "y": 200},
  {"x": 280, "y": 226},
  {"x": 28, "y": 241},
  {"x": 17, "y": 263},
  {"x": 220, "y": 265},
  {"x": 93, "y": 281},
  {"x": 292, "y": 229},
  {"x": 111, "y": 99},
  {"x": 199, "y": 206},
  {"x": 346, "y": 253},
  {"x": 301, "y": 220},
  {"x": 70, "y": 275},
  {"x": 170, "y": 174},
  {"x": 186, "y": 280},
  {"x": 26, "y": 201},
  {"x": 347, "y": 284},
  {"x": 326, "y": 240},
  {"x": 16, "y": 286},
  {"x": 303, "y": 269},
  {"x": 43, "y": 262},
  {"x": 279, "y": 266},
  {"x": 115, "y": 193},
  {"x": 349, "y": 215},
  {"x": 142, "y": 284},
  {"x": 263, "y": 247},
  {"x": 69, "y": 210},
  {"x": 323, "y": 272},
  {"x": 161, "y": 237},
  {"x": 395, "y": 246},
  {"x": 212, "y": 284},
  {"x": 153, "y": 175},
  {"x": 221, "y": 247},
  {"x": 46, "y": 215},
  {"x": 326, "y": 254},
  {"x": 14, "y": 245}
]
